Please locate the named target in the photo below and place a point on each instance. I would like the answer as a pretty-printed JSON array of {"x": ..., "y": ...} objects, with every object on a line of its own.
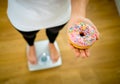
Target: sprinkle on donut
[{"x": 81, "y": 35}]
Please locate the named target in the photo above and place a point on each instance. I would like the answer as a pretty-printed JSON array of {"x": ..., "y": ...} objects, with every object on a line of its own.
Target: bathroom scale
[{"x": 43, "y": 56}]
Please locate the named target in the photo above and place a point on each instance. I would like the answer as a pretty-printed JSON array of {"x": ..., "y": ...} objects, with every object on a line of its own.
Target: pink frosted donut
[{"x": 81, "y": 35}]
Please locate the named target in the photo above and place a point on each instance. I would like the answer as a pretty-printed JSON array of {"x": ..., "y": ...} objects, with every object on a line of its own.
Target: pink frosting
[{"x": 82, "y": 34}]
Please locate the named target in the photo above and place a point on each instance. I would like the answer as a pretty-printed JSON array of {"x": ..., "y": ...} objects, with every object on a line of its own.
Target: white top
[{"x": 30, "y": 15}]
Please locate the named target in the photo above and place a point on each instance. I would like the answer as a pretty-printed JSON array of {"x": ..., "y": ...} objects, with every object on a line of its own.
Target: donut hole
[{"x": 82, "y": 34}]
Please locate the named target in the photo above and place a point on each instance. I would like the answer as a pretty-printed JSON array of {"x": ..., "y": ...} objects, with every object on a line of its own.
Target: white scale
[{"x": 43, "y": 56}]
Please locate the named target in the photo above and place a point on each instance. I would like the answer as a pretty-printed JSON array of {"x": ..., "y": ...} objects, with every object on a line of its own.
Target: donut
[{"x": 81, "y": 35}]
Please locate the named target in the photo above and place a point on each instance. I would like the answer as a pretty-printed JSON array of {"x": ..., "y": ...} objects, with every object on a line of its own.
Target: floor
[{"x": 102, "y": 67}]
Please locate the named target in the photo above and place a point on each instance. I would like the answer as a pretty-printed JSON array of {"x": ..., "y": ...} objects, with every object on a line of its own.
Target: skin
[{"x": 78, "y": 14}]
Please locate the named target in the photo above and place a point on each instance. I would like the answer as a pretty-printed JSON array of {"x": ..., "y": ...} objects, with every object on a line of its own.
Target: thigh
[
  {"x": 28, "y": 33},
  {"x": 55, "y": 29}
]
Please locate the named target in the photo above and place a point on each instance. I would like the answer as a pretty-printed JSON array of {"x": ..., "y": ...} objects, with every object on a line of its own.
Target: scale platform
[{"x": 43, "y": 56}]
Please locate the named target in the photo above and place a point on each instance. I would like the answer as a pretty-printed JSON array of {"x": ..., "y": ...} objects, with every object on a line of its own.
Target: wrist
[
  {"x": 79, "y": 8},
  {"x": 77, "y": 18}
]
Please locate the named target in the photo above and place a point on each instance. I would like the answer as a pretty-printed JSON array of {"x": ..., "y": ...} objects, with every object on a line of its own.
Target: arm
[
  {"x": 78, "y": 13},
  {"x": 78, "y": 8}
]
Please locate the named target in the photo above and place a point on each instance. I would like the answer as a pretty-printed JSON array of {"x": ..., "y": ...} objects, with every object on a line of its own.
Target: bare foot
[
  {"x": 53, "y": 52},
  {"x": 32, "y": 55}
]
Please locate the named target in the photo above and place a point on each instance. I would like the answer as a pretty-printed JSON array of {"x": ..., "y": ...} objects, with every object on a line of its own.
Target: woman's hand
[{"x": 81, "y": 52}]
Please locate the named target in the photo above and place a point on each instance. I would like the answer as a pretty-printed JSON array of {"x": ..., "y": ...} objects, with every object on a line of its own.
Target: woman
[{"x": 29, "y": 16}]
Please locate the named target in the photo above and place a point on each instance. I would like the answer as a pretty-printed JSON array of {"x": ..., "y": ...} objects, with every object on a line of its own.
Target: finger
[
  {"x": 75, "y": 50},
  {"x": 82, "y": 53},
  {"x": 97, "y": 36},
  {"x": 87, "y": 52}
]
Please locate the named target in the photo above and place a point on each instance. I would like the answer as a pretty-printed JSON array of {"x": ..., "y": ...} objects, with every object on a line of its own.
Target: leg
[
  {"x": 52, "y": 33},
  {"x": 30, "y": 37}
]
